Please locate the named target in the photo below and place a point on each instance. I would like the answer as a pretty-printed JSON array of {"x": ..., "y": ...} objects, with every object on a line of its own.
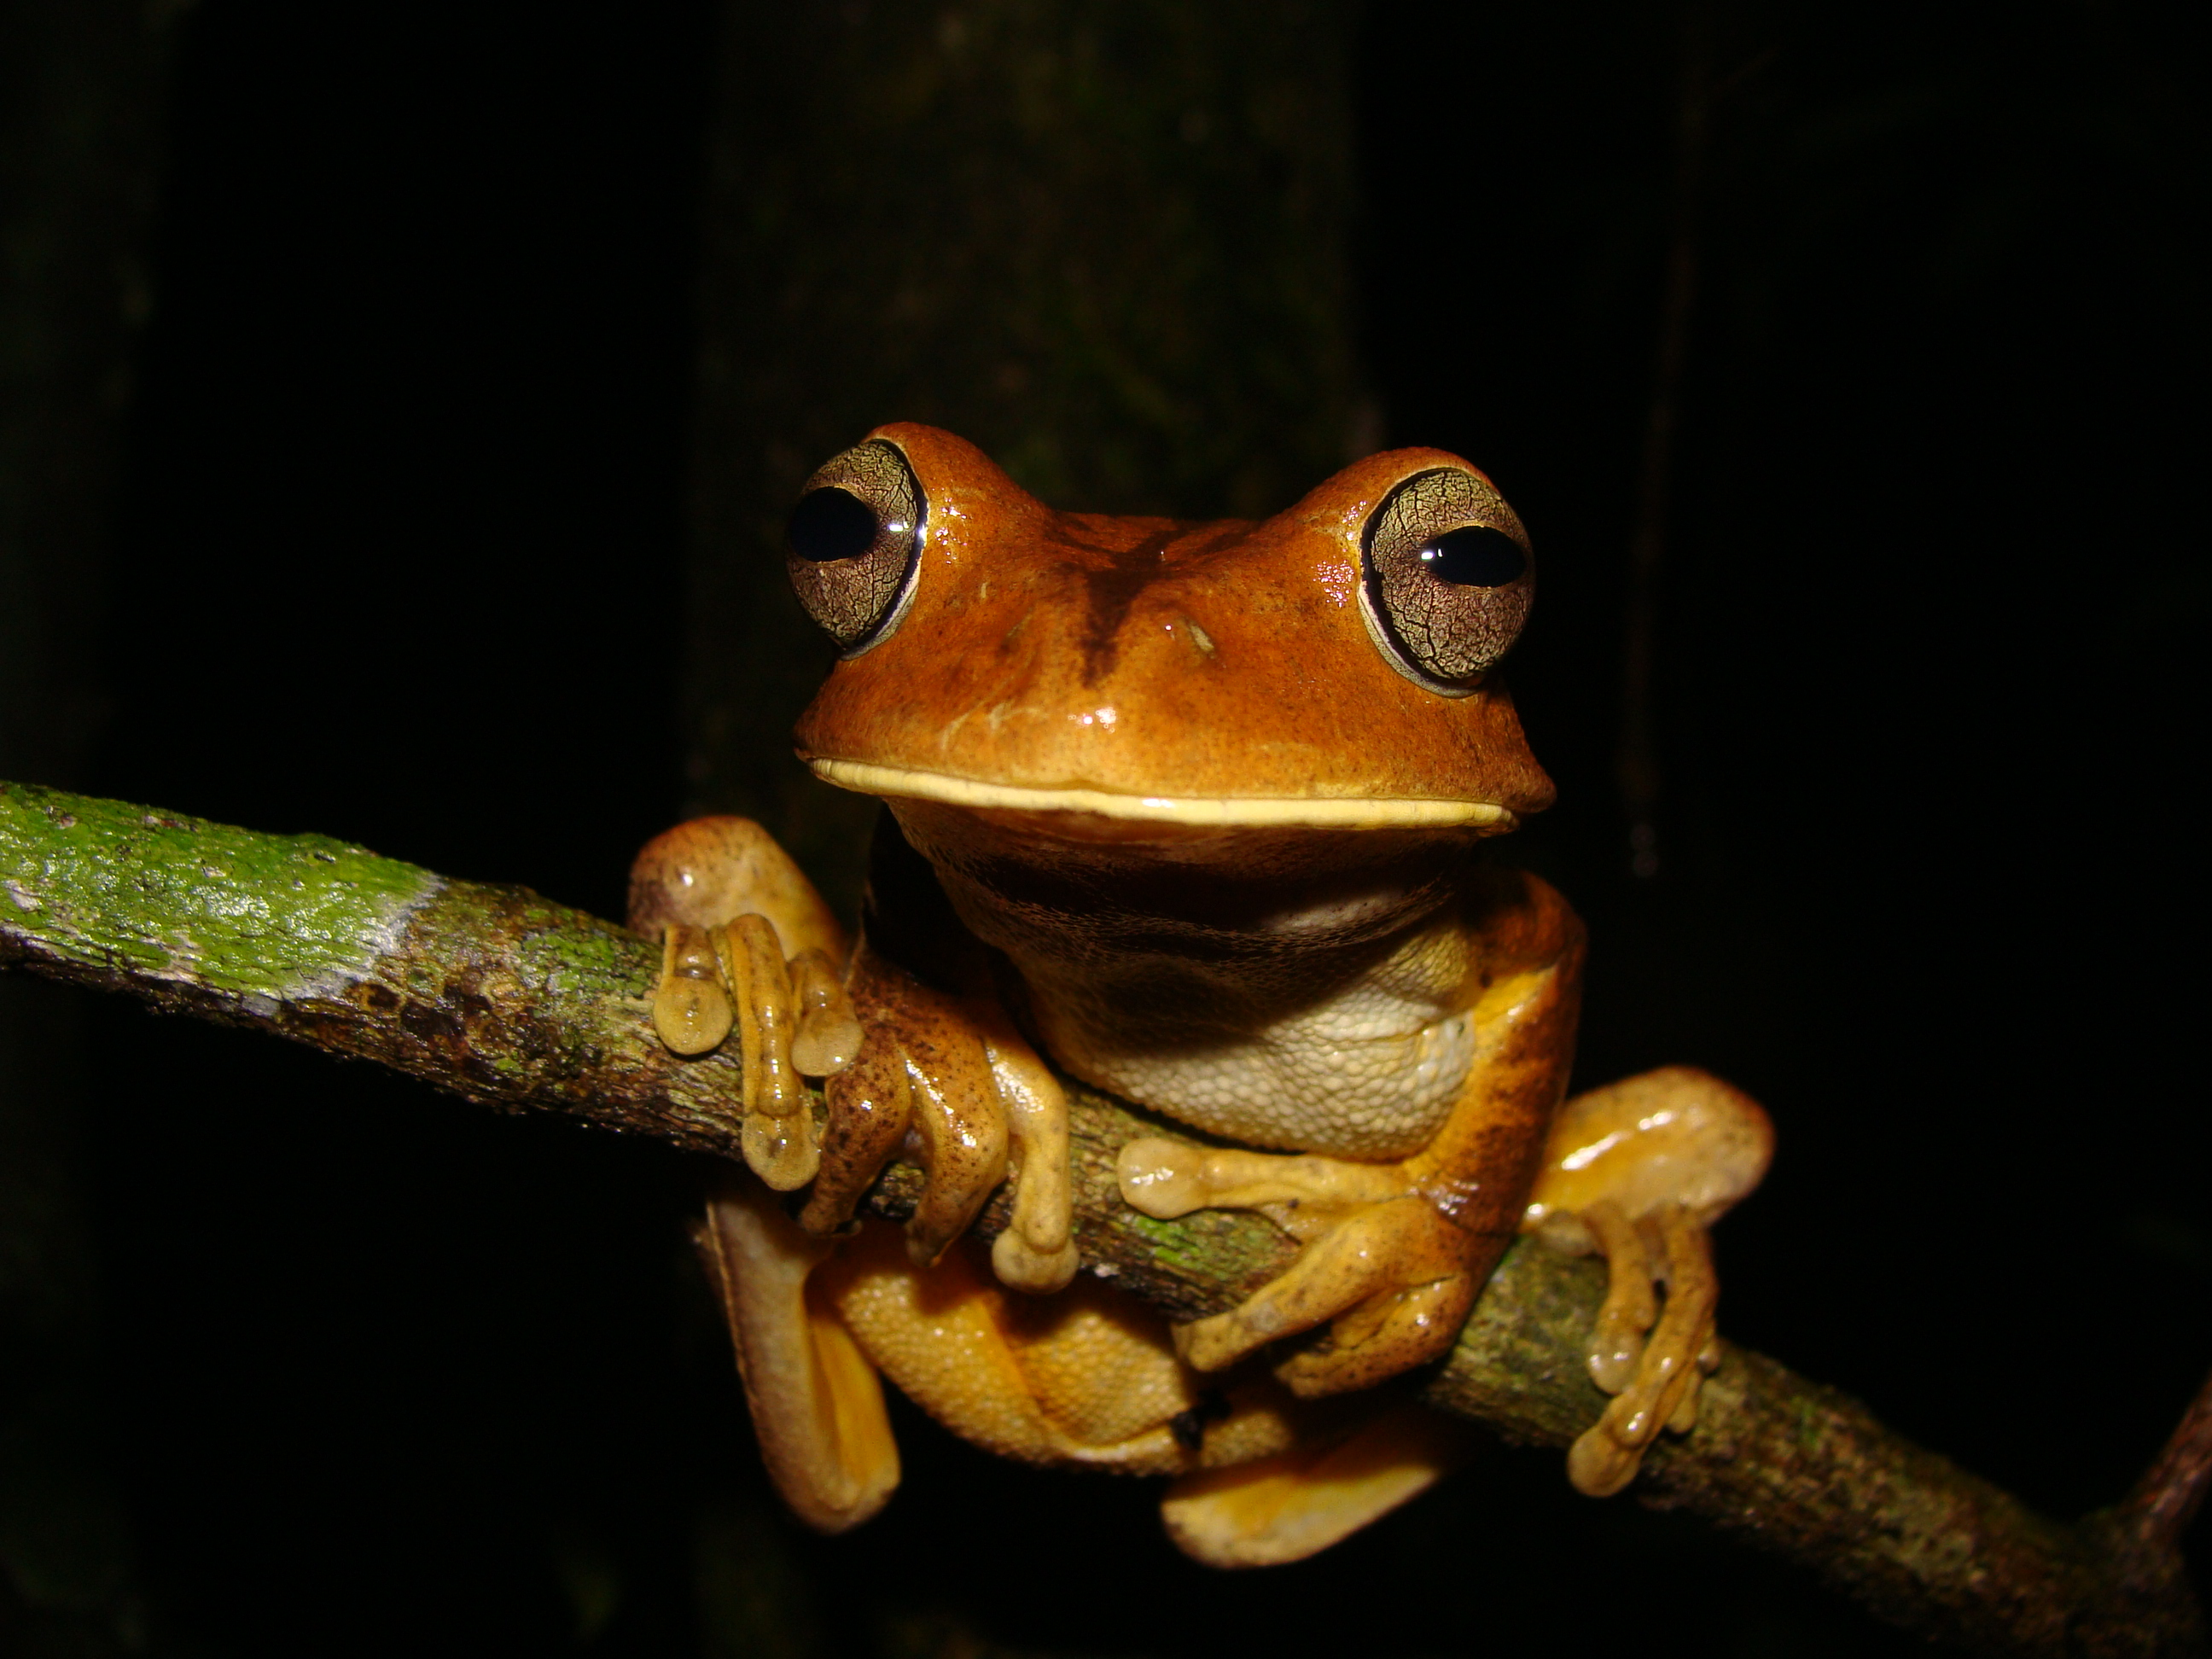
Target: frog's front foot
[
  {"x": 908, "y": 1067},
  {"x": 1637, "y": 1172},
  {"x": 949, "y": 1080},
  {"x": 727, "y": 904},
  {"x": 792, "y": 1020},
  {"x": 1390, "y": 1273}
]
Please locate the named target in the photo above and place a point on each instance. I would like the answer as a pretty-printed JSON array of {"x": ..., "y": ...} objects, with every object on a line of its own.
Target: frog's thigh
[
  {"x": 816, "y": 1405},
  {"x": 1298, "y": 1502},
  {"x": 1638, "y": 1170},
  {"x": 1086, "y": 1376}
]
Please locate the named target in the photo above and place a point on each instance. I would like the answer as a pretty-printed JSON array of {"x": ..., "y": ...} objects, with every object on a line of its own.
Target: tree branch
[
  {"x": 497, "y": 995},
  {"x": 2167, "y": 1499}
]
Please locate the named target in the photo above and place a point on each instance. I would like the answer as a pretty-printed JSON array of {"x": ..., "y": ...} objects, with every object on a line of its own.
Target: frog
[{"x": 1193, "y": 814}]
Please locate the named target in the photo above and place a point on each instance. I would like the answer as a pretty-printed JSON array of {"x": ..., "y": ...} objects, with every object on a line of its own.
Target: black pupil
[
  {"x": 1473, "y": 556},
  {"x": 831, "y": 524}
]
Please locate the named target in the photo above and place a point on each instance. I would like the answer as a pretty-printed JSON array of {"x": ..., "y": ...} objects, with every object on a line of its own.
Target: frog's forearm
[{"x": 503, "y": 998}]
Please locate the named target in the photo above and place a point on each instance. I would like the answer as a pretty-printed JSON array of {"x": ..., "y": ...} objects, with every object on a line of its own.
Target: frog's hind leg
[
  {"x": 818, "y": 1406},
  {"x": 1299, "y": 1502},
  {"x": 1086, "y": 1378},
  {"x": 1089, "y": 1378},
  {"x": 1637, "y": 1171}
]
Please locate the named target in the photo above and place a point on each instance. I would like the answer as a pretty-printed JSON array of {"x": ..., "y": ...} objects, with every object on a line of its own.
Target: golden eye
[
  {"x": 853, "y": 543},
  {"x": 1447, "y": 579}
]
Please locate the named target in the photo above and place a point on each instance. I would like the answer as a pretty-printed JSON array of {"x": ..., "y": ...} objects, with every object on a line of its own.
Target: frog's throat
[{"x": 1320, "y": 811}]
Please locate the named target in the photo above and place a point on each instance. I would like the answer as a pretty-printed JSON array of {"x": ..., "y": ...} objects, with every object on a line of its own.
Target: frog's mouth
[{"x": 1317, "y": 811}]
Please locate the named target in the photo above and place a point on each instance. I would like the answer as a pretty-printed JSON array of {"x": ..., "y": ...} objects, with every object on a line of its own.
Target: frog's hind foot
[
  {"x": 818, "y": 1406},
  {"x": 1299, "y": 1502},
  {"x": 1637, "y": 1172}
]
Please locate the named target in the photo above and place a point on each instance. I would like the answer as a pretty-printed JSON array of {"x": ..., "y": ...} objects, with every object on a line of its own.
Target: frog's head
[{"x": 1332, "y": 667}]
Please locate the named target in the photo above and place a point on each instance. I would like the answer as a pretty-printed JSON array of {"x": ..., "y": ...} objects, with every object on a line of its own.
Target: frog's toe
[
  {"x": 1037, "y": 1252},
  {"x": 779, "y": 1136},
  {"x": 1368, "y": 1258},
  {"x": 1660, "y": 1391},
  {"x": 1319, "y": 1285},
  {"x": 829, "y": 1035},
  {"x": 1169, "y": 1178},
  {"x": 1022, "y": 1266},
  {"x": 691, "y": 1011},
  {"x": 871, "y": 1108},
  {"x": 691, "y": 1015},
  {"x": 963, "y": 1143},
  {"x": 1383, "y": 1336},
  {"x": 1163, "y": 1179}
]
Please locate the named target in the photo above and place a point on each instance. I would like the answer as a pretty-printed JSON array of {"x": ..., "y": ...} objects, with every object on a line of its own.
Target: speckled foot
[
  {"x": 959, "y": 1132},
  {"x": 871, "y": 1104},
  {"x": 949, "y": 1080},
  {"x": 1637, "y": 1172}
]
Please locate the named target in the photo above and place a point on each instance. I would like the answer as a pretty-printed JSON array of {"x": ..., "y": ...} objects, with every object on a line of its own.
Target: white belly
[
  {"x": 1370, "y": 1071},
  {"x": 1303, "y": 1086}
]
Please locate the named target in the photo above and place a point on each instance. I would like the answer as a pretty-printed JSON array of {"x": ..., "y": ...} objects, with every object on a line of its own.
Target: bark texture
[{"x": 504, "y": 998}]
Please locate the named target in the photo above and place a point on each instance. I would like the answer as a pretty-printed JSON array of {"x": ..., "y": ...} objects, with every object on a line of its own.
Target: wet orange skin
[{"x": 1152, "y": 656}]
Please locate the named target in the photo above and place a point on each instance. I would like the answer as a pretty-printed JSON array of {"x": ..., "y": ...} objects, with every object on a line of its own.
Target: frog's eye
[
  {"x": 1447, "y": 579},
  {"x": 854, "y": 542}
]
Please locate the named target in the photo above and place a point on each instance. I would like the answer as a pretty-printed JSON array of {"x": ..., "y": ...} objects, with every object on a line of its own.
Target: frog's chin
[{"x": 1233, "y": 811}]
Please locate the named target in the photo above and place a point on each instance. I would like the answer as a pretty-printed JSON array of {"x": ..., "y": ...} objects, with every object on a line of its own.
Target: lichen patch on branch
[{"x": 275, "y": 918}]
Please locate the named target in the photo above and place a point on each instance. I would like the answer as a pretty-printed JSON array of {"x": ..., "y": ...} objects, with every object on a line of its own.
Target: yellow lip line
[{"x": 1320, "y": 811}]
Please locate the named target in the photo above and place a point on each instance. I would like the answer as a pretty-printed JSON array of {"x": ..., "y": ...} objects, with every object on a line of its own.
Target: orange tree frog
[{"x": 1188, "y": 811}]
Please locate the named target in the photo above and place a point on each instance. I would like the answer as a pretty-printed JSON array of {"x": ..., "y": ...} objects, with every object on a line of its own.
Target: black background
[{"x": 401, "y": 562}]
